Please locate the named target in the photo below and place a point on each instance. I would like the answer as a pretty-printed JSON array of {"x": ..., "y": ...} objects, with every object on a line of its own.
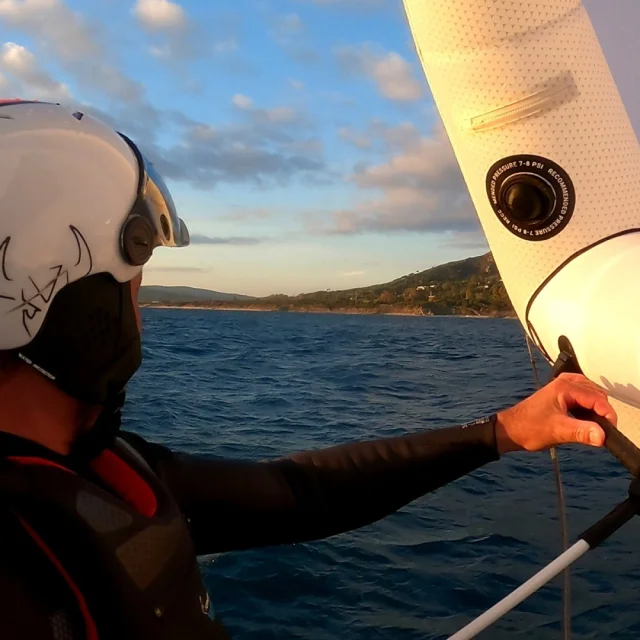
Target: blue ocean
[{"x": 255, "y": 385}]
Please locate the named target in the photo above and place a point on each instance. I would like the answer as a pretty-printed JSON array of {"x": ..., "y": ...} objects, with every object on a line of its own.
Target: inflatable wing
[{"x": 552, "y": 165}]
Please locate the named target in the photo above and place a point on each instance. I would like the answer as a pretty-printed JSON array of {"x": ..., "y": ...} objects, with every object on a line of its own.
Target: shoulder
[{"x": 154, "y": 454}]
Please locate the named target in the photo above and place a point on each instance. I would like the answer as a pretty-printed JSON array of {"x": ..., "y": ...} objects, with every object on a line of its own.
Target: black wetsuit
[{"x": 231, "y": 505}]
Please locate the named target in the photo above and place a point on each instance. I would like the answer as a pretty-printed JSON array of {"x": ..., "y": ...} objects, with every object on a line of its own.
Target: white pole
[{"x": 523, "y": 591}]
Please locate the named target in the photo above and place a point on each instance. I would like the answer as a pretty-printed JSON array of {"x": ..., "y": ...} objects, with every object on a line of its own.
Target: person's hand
[{"x": 542, "y": 420}]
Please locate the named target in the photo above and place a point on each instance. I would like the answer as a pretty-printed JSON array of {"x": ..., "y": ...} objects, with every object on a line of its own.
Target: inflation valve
[
  {"x": 532, "y": 196},
  {"x": 526, "y": 198}
]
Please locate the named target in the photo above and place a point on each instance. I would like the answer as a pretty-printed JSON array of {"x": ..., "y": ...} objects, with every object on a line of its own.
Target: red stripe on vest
[
  {"x": 116, "y": 473},
  {"x": 125, "y": 482},
  {"x": 90, "y": 626},
  {"x": 38, "y": 461}
]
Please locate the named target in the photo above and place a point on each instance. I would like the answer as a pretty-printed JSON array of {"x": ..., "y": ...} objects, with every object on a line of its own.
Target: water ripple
[{"x": 254, "y": 385}]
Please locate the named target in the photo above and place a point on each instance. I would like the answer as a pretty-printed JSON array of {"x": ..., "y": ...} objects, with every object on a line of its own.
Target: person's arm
[{"x": 236, "y": 505}]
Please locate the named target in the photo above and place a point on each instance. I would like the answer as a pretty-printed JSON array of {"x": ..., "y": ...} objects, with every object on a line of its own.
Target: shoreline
[{"x": 196, "y": 307}]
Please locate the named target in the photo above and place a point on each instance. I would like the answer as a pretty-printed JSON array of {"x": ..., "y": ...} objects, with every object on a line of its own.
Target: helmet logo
[{"x": 35, "y": 298}]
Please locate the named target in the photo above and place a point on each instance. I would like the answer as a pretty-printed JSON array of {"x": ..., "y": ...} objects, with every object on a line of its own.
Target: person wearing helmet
[{"x": 101, "y": 529}]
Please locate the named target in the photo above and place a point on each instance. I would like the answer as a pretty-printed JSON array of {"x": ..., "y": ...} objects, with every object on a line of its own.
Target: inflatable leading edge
[{"x": 552, "y": 165}]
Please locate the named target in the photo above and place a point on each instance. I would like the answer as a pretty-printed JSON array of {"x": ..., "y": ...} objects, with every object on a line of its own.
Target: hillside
[
  {"x": 465, "y": 287},
  {"x": 482, "y": 267},
  {"x": 152, "y": 293},
  {"x": 469, "y": 287}
]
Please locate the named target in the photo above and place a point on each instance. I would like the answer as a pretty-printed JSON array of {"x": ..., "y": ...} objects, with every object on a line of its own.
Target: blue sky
[{"x": 297, "y": 136}]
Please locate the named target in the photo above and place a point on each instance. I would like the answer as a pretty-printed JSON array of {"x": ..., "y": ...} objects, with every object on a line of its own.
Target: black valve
[{"x": 527, "y": 198}]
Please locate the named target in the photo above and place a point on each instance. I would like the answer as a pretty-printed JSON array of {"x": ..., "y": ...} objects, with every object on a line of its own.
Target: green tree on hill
[
  {"x": 410, "y": 295},
  {"x": 387, "y": 297}
]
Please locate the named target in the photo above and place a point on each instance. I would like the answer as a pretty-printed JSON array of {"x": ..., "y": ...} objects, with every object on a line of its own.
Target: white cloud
[
  {"x": 380, "y": 134},
  {"x": 242, "y": 101},
  {"x": 399, "y": 136},
  {"x": 308, "y": 146},
  {"x": 359, "y": 140},
  {"x": 419, "y": 187},
  {"x": 287, "y": 31},
  {"x": 264, "y": 146},
  {"x": 256, "y": 151},
  {"x": 350, "y": 274},
  {"x": 296, "y": 84},
  {"x": 62, "y": 34},
  {"x": 56, "y": 25},
  {"x": 275, "y": 115},
  {"x": 175, "y": 38},
  {"x": 29, "y": 78},
  {"x": 160, "y": 52},
  {"x": 391, "y": 73},
  {"x": 160, "y": 15}
]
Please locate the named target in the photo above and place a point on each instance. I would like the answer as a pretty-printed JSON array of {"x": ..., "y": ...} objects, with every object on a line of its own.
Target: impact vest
[{"x": 123, "y": 549}]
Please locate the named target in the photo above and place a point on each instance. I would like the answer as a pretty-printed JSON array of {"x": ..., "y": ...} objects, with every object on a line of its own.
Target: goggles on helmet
[{"x": 155, "y": 204}]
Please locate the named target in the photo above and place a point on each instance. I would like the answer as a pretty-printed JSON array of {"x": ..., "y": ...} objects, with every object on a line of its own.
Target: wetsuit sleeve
[{"x": 233, "y": 504}]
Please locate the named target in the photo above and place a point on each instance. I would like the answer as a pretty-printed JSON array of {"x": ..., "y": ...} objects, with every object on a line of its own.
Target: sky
[{"x": 298, "y": 137}]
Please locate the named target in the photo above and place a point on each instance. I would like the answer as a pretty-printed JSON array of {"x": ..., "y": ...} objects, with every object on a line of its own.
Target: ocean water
[{"x": 254, "y": 385}]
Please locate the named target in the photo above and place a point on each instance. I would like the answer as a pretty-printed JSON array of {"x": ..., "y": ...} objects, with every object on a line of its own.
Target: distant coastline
[
  {"x": 470, "y": 288},
  {"x": 378, "y": 310}
]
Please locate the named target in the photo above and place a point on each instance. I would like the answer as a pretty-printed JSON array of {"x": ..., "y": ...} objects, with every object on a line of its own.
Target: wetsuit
[{"x": 225, "y": 505}]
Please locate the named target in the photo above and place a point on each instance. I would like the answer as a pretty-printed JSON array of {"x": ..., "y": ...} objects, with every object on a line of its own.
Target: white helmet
[
  {"x": 77, "y": 201},
  {"x": 76, "y": 198}
]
